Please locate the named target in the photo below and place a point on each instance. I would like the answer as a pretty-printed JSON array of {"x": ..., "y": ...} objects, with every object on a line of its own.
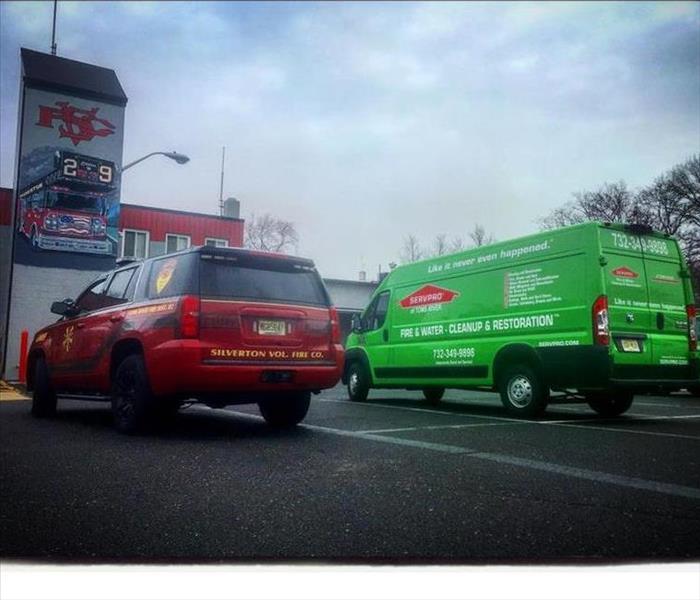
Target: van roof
[{"x": 533, "y": 237}]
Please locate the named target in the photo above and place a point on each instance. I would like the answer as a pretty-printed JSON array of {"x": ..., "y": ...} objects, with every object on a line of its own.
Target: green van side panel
[{"x": 454, "y": 320}]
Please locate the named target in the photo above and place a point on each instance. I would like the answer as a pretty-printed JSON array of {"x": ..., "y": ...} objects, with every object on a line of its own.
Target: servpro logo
[
  {"x": 428, "y": 294},
  {"x": 625, "y": 272}
]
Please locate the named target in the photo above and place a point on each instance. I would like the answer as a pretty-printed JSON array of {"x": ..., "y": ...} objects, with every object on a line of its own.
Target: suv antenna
[
  {"x": 221, "y": 187},
  {"x": 53, "y": 31}
]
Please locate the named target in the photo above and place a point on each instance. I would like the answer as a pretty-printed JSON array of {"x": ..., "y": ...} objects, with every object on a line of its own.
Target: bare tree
[
  {"x": 457, "y": 244},
  {"x": 671, "y": 204},
  {"x": 270, "y": 234},
  {"x": 479, "y": 236},
  {"x": 411, "y": 251},
  {"x": 440, "y": 245}
]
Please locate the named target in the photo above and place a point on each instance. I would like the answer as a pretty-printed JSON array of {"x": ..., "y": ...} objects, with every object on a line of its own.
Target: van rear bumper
[{"x": 592, "y": 367}]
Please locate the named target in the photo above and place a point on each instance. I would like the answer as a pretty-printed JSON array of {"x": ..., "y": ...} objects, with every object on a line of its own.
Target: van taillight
[
  {"x": 601, "y": 323},
  {"x": 335, "y": 325},
  {"x": 189, "y": 317},
  {"x": 692, "y": 313}
]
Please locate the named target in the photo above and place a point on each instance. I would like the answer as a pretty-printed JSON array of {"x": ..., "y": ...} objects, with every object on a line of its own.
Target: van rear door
[
  {"x": 667, "y": 301},
  {"x": 646, "y": 299},
  {"x": 259, "y": 308}
]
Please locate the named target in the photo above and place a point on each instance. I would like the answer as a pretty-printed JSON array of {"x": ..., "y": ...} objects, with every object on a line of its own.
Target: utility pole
[
  {"x": 221, "y": 187},
  {"x": 53, "y": 32}
]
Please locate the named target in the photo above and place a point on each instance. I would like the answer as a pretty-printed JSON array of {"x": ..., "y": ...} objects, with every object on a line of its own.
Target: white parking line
[
  {"x": 422, "y": 410},
  {"x": 431, "y": 427},
  {"x": 574, "y": 425},
  {"x": 669, "y": 489}
]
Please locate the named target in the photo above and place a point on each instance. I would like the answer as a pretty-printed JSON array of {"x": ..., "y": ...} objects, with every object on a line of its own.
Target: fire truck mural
[
  {"x": 69, "y": 181},
  {"x": 67, "y": 209}
]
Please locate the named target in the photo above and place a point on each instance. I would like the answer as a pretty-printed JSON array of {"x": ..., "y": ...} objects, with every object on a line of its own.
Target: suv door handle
[
  {"x": 116, "y": 318},
  {"x": 80, "y": 325},
  {"x": 385, "y": 335}
]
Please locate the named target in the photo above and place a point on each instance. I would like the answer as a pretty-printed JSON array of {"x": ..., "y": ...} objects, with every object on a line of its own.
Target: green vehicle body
[{"x": 593, "y": 309}]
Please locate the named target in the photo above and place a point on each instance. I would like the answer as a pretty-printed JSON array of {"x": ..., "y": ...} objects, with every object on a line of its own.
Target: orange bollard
[{"x": 23, "y": 343}]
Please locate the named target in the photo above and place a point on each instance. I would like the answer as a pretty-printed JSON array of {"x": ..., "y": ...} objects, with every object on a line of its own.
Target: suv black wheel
[
  {"x": 44, "y": 396},
  {"x": 287, "y": 410},
  {"x": 433, "y": 394},
  {"x": 523, "y": 392},
  {"x": 610, "y": 403},
  {"x": 132, "y": 401},
  {"x": 358, "y": 382}
]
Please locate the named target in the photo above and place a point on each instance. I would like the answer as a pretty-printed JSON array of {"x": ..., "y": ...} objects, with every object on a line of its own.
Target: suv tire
[
  {"x": 358, "y": 382},
  {"x": 132, "y": 401},
  {"x": 286, "y": 411},
  {"x": 44, "y": 396},
  {"x": 610, "y": 403},
  {"x": 433, "y": 394},
  {"x": 523, "y": 393}
]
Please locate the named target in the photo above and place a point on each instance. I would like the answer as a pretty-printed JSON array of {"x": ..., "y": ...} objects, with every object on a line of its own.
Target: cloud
[{"x": 365, "y": 122}]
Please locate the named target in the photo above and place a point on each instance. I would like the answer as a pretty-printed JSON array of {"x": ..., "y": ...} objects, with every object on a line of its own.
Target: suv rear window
[
  {"x": 260, "y": 278},
  {"x": 173, "y": 276}
]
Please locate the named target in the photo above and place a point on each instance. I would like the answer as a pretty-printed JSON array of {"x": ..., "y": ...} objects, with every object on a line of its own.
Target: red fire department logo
[
  {"x": 428, "y": 294},
  {"x": 77, "y": 124},
  {"x": 625, "y": 272}
]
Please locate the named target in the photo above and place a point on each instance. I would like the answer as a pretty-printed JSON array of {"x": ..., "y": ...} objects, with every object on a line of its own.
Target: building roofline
[{"x": 182, "y": 212}]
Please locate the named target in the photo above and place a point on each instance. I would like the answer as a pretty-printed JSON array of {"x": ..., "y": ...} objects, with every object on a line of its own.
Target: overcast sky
[{"x": 363, "y": 122}]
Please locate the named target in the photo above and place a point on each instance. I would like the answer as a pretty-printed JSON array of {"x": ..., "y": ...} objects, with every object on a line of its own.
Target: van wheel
[
  {"x": 522, "y": 391},
  {"x": 286, "y": 411},
  {"x": 433, "y": 394},
  {"x": 44, "y": 396},
  {"x": 131, "y": 395},
  {"x": 610, "y": 403},
  {"x": 358, "y": 382}
]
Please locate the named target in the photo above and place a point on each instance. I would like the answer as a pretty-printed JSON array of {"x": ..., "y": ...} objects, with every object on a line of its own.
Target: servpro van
[{"x": 598, "y": 311}]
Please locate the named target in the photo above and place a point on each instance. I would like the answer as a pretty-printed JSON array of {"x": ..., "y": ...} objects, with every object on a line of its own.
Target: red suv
[{"x": 215, "y": 325}]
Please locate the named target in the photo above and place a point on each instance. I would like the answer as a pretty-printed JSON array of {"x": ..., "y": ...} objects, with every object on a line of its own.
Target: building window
[
  {"x": 174, "y": 242},
  {"x": 218, "y": 242},
  {"x": 135, "y": 243}
]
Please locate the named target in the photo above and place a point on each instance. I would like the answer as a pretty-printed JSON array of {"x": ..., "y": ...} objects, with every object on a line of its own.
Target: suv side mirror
[
  {"x": 65, "y": 308},
  {"x": 356, "y": 323}
]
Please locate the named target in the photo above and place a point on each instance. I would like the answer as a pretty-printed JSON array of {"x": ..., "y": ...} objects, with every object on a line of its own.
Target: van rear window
[{"x": 261, "y": 279}]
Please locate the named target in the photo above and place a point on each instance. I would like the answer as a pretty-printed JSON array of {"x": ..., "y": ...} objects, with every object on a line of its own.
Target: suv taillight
[
  {"x": 601, "y": 323},
  {"x": 335, "y": 325},
  {"x": 692, "y": 313},
  {"x": 189, "y": 317}
]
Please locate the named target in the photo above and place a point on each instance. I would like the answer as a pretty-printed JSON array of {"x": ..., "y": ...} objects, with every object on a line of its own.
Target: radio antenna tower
[
  {"x": 53, "y": 31},
  {"x": 221, "y": 187}
]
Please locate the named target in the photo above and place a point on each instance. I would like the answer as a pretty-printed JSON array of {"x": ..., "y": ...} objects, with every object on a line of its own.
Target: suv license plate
[
  {"x": 272, "y": 327},
  {"x": 631, "y": 346}
]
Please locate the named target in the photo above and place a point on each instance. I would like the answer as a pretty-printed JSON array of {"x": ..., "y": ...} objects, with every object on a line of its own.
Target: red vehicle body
[
  {"x": 67, "y": 209},
  {"x": 216, "y": 325}
]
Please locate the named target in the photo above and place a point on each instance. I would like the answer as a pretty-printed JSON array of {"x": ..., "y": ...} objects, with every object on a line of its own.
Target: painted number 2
[{"x": 70, "y": 167}]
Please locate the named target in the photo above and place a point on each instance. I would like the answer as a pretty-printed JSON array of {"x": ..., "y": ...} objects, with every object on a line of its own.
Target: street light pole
[{"x": 180, "y": 159}]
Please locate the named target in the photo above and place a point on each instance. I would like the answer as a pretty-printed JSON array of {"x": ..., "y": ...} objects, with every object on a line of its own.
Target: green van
[{"x": 596, "y": 311}]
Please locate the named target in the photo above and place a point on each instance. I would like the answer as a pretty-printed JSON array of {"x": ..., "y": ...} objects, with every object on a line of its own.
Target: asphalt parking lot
[{"x": 393, "y": 480}]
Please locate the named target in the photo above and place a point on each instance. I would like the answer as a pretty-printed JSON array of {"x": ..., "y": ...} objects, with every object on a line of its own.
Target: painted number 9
[{"x": 105, "y": 174}]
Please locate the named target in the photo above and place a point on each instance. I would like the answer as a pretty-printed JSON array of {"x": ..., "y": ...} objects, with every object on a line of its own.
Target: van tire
[
  {"x": 132, "y": 401},
  {"x": 287, "y": 411},
  {"x": 433, "y": 394},
  {"x": 358, "y": 382},
  {"x": 44, "y": 396},
  {"x": 522, "y": 391},
  {"x": 610, "y": 403}
]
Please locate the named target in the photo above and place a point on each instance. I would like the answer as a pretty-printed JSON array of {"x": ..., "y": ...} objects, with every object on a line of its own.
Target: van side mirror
[
  {"x": 356, "y": 323},
  {"x": 65, "y": 308}
]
